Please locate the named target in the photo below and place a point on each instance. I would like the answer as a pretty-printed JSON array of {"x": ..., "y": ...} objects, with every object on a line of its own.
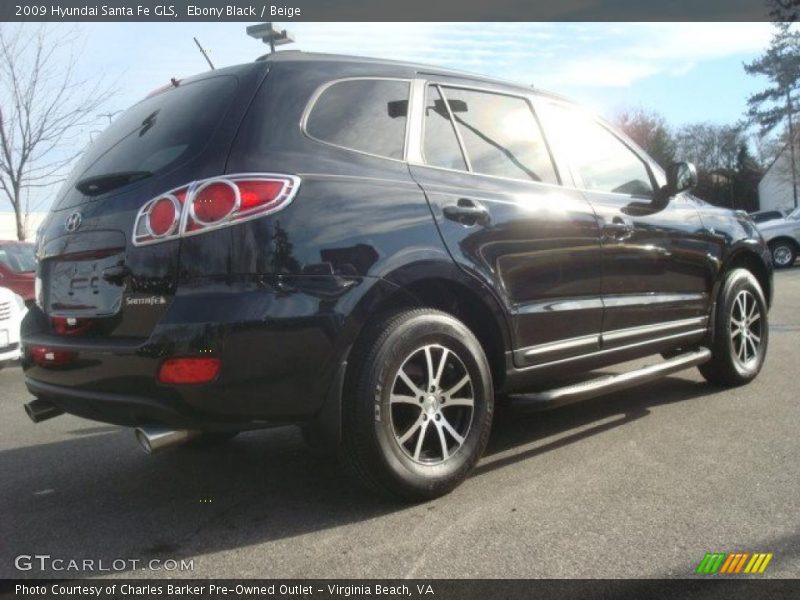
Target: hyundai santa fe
[{"x": 375, "y": 251}]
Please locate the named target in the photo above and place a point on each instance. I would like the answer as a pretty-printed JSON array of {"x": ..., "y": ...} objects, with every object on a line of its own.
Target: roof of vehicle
[{"x": 301, "y": 56}]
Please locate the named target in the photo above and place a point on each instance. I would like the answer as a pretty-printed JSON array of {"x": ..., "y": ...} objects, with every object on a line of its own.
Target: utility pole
[{"x": 791, "y": 146}]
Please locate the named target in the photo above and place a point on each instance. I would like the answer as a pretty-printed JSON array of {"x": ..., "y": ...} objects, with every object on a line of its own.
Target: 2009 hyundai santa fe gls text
[{"x": 375, "y": 251}]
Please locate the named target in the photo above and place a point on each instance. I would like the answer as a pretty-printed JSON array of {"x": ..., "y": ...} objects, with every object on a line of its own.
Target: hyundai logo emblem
[{"x": 73, "y": 222}]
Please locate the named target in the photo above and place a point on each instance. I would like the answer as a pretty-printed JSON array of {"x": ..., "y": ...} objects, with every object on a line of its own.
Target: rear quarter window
[{"x": 366, "y": 115}]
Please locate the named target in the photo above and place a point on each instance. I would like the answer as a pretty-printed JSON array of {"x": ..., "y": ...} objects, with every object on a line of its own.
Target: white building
[
  {"x": 775, "y": 187},
  {"x": 8, "y": 225}
]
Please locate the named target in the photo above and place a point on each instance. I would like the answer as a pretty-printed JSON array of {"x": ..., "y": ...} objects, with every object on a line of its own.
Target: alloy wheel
[
  {"x": 432, "y": 403},
  {"x": 782, "y": 255},
  {"x": 746, "y": 329}
]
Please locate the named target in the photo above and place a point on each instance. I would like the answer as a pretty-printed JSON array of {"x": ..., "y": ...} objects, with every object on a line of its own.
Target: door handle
[
  {"x": 467, "y": 212},
  {"x": 618, "y": 229}
]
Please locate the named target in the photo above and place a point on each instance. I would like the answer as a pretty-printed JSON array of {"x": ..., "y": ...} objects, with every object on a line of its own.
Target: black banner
[
  {"x": 366, "y": 10},
  {"x": 415, "y": 589}
]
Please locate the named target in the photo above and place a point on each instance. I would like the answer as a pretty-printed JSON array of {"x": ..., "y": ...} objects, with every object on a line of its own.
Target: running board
[{"x": 610, "y": 383}]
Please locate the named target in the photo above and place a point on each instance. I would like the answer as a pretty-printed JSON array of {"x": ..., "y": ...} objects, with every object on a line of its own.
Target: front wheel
[
  {"x": 741, "y": 332},
  {"x": 419, "y": 404}
]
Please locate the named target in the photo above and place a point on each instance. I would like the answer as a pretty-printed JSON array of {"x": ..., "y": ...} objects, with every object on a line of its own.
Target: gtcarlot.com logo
[
  {"x": 46, "y": 562},
  {"x": 734, "y": 563}
]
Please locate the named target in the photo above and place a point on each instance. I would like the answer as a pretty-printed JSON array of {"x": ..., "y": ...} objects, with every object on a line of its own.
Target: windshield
[
  {"x": 18, "y": 257},
  {"x": 158, "y": 133}
]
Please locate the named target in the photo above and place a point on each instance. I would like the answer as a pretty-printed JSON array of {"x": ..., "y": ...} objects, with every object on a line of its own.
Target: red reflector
[
  {"x": 162, "y": 217},
  {"x": 214, "y": 202},
  {"x": 258, "y": 193},
  {"x": 49, "y": 357},
  {"x": 188, "y": 370},
  {"x": 70, "y": 325}
]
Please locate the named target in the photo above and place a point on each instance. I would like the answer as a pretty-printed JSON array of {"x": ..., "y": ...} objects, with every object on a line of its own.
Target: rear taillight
[
  {"x": 188, "y": 370},
  {"x": 212, "y": 203}
]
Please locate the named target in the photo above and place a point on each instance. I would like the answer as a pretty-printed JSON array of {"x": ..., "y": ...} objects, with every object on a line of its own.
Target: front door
[{"x": 655, "y": 274}]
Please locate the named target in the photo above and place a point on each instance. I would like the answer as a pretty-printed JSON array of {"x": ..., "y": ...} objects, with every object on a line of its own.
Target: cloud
[{"x": 553, "y": 54}]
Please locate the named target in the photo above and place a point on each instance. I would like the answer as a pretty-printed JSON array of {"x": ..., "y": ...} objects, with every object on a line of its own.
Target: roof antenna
[
  {"x": 267, "y": 34},
  {"x": 205, "y": 54}
]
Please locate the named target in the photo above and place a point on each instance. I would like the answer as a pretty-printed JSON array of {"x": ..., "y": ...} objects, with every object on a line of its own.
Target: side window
[
  {"x": 501, "y": 135},
  {"x": 440, "y": 145},
  {"x": 368, "y": 115},
  {"x": 601, "y": 159}
]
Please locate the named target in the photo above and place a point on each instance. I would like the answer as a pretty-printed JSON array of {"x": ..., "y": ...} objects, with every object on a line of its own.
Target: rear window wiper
[{"x": 100, "y": 184}]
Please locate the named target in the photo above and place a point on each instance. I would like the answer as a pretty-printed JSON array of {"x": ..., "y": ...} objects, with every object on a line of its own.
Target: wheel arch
[
  {"x": 745, "y": 258},
  {"x": 447, "y": 288}
]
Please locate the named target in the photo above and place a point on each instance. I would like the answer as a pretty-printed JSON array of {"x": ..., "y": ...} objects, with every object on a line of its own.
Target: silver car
[{"x": 783, "y": 238}]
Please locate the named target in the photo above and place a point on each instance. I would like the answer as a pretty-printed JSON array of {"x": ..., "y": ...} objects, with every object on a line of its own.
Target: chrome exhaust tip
[
  {"x": 154, "y": 439},
  {"x": 40, "y": 410}
]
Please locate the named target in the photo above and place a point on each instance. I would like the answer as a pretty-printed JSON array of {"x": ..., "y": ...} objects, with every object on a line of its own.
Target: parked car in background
[
  {"x": 783, "y": 237},
  {"x": 373, "y": 250},
  {"x": 12, "y": 311},
  {"x": 768, "y": 215},
  {"x": 18, "y": 268}
]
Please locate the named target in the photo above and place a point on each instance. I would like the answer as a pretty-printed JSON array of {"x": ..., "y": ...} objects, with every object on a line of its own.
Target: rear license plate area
[{"x": 80, "y": 288}]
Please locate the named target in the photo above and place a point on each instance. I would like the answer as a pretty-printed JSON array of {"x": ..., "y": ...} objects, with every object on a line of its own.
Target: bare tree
[
  {"x": 650, "y": 130},
  {"x": 45, "y": 110}
]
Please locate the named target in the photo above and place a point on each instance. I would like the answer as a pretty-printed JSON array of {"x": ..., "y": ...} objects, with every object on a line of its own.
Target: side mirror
[{"x": 681, "y": 177}]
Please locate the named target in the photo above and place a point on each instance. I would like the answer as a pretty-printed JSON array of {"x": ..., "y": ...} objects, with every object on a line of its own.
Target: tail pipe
[
  {"x": 40, "y": 410},
  {"x": 154, "y": 439}
]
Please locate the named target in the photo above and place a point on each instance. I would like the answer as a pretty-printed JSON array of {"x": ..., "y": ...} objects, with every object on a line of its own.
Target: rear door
[
  {"x": 497, "y": 198},
  {"x": 655, "y": 275}
]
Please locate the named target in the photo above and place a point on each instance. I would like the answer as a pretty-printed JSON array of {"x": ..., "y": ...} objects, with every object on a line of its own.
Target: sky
[{"x": 687, "y": 72}]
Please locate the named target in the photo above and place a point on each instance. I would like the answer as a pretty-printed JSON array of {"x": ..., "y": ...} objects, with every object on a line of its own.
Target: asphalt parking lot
[{"x": 637, "y": 484}]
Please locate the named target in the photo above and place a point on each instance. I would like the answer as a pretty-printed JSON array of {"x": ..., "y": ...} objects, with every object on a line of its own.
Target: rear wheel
[
  {"x": 783, "y": 252},
  {"x": 419, "y": 405},
  {"x": 741, "y": 331}
]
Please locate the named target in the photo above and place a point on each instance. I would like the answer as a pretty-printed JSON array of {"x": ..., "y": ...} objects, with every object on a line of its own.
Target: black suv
[{"x": 375, "y": 251}]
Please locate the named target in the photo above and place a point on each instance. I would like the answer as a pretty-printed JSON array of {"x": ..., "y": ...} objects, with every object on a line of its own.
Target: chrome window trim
[
  {"x": 416, "y": 121},
  {"x": 321, "y": 90}
]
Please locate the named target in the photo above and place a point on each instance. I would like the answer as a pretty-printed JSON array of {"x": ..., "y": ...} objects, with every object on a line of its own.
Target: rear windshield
[
  {"x": 18, "y": 257},
  {"x": 158, "y": 133}
]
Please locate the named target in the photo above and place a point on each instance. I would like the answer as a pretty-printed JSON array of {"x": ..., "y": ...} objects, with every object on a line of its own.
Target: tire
[
  {"x": 393, "y": 442},
  {"x": 783, "y": 253},
  {"x": 739, "y": 345},
  {"x": 209, "y": 439}
]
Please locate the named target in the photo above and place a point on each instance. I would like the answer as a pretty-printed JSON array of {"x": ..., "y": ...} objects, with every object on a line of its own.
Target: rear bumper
[{"x": 283, "y": 358}]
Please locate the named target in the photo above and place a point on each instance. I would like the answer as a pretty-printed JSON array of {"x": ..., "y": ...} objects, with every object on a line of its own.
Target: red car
[{"x": 18, "y": 268}]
